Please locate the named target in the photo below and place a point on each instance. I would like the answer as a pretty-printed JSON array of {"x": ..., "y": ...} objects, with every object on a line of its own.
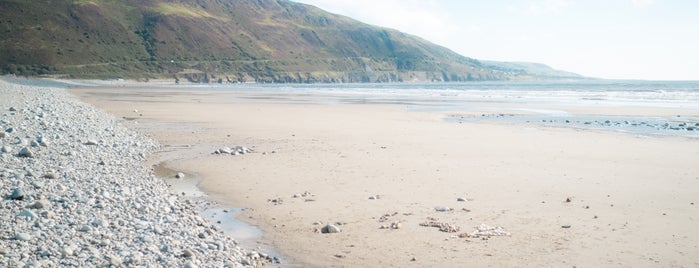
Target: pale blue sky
[{"x": 624, "y": 39}]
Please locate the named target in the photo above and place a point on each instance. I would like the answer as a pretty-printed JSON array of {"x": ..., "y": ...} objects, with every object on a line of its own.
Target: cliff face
[{"x": 219, "y": 40}]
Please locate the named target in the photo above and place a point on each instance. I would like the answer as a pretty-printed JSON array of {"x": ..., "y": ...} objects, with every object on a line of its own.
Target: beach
[{"x": 511, "y": 193}]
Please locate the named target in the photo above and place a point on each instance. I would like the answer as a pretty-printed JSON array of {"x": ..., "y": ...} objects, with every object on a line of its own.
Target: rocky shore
[{"x": 75, "y": 192}]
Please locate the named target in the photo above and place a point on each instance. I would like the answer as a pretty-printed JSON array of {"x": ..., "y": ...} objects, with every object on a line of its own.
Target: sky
[{"x": 615, "y": 39}]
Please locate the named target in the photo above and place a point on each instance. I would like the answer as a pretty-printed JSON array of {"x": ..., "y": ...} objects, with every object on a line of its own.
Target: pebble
[
  {"x": 17, "y": 194},
  {"x": 190, "y": 265},
  {"x": 25, "y": 152},
  {"x": 114, "y": 260},
  {"x": 187, "y": 254},
  {"x": 461, "y": 199},
  {"x": 225, "y": 150},
  {"x": 23, "y": 236},
  {"x": 27, "y": 214},
  {"x": 51, "y": 175},
  {"x": 67, "y": 251},
  {"x": 180, "y": 175},
  {"x": 330, "y": 229},
  {"x": 39, "y": 204},
  {"x": 6, "y": 149},
  {"x": 91, "y": 142}
]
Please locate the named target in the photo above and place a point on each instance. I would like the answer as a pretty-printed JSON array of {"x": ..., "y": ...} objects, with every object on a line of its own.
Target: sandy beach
[{"x": 567, "y": 197}]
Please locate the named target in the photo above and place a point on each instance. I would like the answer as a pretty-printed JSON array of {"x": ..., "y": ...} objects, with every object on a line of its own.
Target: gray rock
[
  {"x": 51, "y": 175},
  {"x": 189, "y": 264},
  {"x": 187, "y": 254},
  {"x": 85, "y": 228},
  {"x": 17, "y": 194},
  {"x": 2, "y": 134},
  {"x": 330, "y": 229},
  {"x": 25, "y": 152},
  {"x": 6, "y": 149},
  {"x": 115, "y": 260},
  {"x": 27, "y": 214},
  {"x": 12, "y": 109},
  {"x": 91, "y": 142},
  {"x": 23, "y": 236},
  {"x": 461, "y": 199},
  {"x": 225, "y": 150},
  {"x": 180, "y": 175},
  {"x": 9, "y": 130},
  {"x": 67, "y": 251},
  {"x": 40, "y": 204},
  {"x": 48, "y": 214}
]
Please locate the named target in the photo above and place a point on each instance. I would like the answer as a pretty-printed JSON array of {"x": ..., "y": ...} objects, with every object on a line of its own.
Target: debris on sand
[
  {"x": 443, "y": 226},
  {"x": 485, "y": 231}
]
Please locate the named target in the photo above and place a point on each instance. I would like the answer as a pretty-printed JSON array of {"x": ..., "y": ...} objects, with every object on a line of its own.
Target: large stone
[
  {"x": 115, "y": 260},
  {"x": 330, "y": 229},
  {"x": 91, "y": 142},
  {"x": 188, "y": 254},
  {"x": 40, "y": 204},
  {"x": 17, "y": 194},
  {"x": 23, "y": 236},
  {"x": 67, "y": 251},
  {"x": 25, "y": 152},
  {"x": 27, "y": 214},
  {"x": 51, "y": 175}
]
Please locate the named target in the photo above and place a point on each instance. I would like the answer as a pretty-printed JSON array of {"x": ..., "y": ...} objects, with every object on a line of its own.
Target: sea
[
  {"x": 519, "y": 102},
  {"x": 507, "y": 102}
]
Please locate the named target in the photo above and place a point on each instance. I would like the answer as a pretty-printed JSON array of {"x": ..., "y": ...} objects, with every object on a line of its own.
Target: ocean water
[
  {"x": 507, "y": 102},
  {"x": 671, "y": 94}
]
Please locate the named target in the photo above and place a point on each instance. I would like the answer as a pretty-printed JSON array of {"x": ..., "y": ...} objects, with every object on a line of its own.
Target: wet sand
[{"x": 631, "y": 199}]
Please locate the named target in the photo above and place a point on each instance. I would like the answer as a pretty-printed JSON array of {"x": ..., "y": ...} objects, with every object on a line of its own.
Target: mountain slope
[{"x": 220, "y": 40}]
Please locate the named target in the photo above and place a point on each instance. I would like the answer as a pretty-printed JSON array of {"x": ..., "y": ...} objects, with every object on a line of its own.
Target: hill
[{"x": 219, "y": 41}]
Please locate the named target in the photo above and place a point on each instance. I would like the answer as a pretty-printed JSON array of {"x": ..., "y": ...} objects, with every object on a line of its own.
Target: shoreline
[
  {"x": 224, "y": 215},
  {"x": 514, "y": 176}
]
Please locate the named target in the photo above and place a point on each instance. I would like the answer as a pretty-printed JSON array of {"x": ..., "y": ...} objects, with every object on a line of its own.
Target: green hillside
[{"x": 217, "y": 41}]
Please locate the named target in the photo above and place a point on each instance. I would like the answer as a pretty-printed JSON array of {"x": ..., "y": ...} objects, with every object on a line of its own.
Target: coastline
[{"x": 510, "y": 175}]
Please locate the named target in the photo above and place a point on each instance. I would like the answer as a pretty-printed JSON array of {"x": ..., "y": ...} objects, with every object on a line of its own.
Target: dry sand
[{"x": 632, "y": 199}]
